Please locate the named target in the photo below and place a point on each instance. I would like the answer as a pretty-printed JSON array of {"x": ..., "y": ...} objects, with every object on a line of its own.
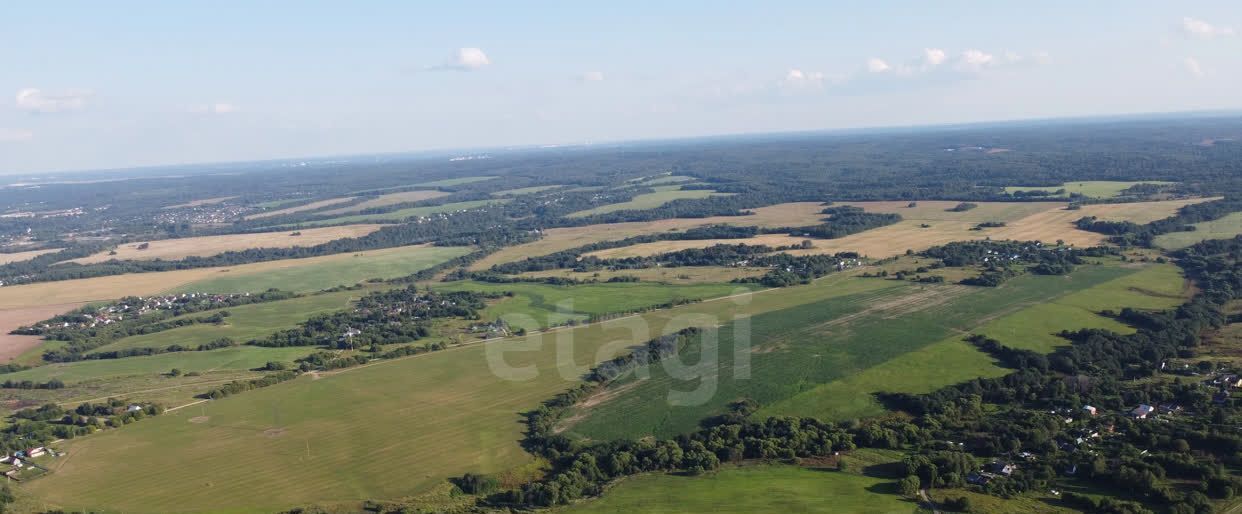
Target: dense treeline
[
  {"x": 846, "y": 220},
  {"x": 1001, "y": 260},
  {"x": 384, "y": 317}
]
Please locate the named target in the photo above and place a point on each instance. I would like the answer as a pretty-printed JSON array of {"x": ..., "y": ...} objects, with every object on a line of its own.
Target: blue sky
[{"x": 86, "y": 85}]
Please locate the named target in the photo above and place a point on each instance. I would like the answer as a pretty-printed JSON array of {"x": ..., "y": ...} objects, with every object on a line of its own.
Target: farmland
[
  {"x": 540, "y": 306},
  {"x": 662, "y": 195},
  {"x": 386, "y": 200},
  {"x": 951, "y": 360},
  {"x": 6, "y": 258},
  {"x": 747, "y": 489},
  {"x": 449, "y": 182},
  {"x": 402, "y": 214},
  {"x": 443, "y": 413},
  {"x": 300, "y": 208},
  {"x": 680, "y": 275},
  {"x": 236, "y": 358},
  {"x": 525, "y": 190},
  {"x": 1226, "y": 227},
  {"x": 174, "y": 249},
  {"x": 204, "y": 201},
  {"x": 1091, "y": 188},
  {"x": 557, "y": 239},
  {"x": 799, "y": 348}
]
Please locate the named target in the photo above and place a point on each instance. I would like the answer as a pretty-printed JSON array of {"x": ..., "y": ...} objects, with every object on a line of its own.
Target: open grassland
[
  {"x": 158, "y": 387},
  {"x": 344, "y": 269},
  {"x": 682, "y": 275},
  {"x": 204, "y": 201},
  {"x": 244, "y": 323},
  {"x": 798, "y": 349},
  {"x": 663, "y": 195},
  {"x": 388, "y": 199},
  {"x": 403, "y": 214},
  {"x": 558, "y": 239},
  {"x": 1224, "y": 228},
  {"x": 386, "y": 430},
  {"x": 525, "y": 190},
  {"x": 952, "y": 360},
  {"x": 536, "y": 306},
  {"x": 236, "y": 358},
  {"x": 300, "y": 208},
  {"x": 750, "y": 489},
  {"x": 174, "y": 249},
  {"x": 455, "y": 181},
  {"x": 6, "y": 258},
  {"x": 1092, "y": 188},
  {"x": 667, "y": 179},
  {"x": 1025, "y": 221}
]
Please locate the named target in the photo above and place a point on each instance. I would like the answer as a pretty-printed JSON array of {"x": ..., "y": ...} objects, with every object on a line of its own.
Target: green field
[
  {"x": 662, "y": 195},
  {"x": 525, "y": 190},
  {"x": 401, "y": 214},
  {"x": 390, "y": 263},
  {"x": 1224, "y": 228},
  {"x": 236, "y": 358},
  {"x": 535, "y": 306},
  {"x": 1092, "y": 188},
  {"x": 751, "y": 489},
  {"x": 951, "y": 361},
  {"x": 383, "y": 431},
  {"x": 799, "y": 349},
  {"x": 455, "y": 181},
  {"x": 244, "y": 323},
  {"x": 667, "y": 179}
]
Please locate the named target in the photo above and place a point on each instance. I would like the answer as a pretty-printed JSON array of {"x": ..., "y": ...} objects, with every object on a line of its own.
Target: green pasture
[
  {"x": 1092, "y": 188},
  {"x": 236, "y": 358},
  {"x": 455, "y": 181},
  {"x": 1224, "y": 228},
  {"x": 525, "y": 190},
  {"x": 663, "y": 195},
  {"x": 402, "y": 214}
]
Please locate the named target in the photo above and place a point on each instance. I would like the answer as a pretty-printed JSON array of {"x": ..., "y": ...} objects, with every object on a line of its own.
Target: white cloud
[
  {"x": 1203, "y": 30},
  {"x": 15, "y": 135},
  {"x": 464, "y": 59},
  {"x": 877, "y": 65},
  {"x": 975, "y": 60},
  {"x": 933, "y": 56},
  {"x": 1193, "y": 67},
  {"x": 37, "y": 100},
  {"x": 798, "y": 79},
  {"x": 593, "y": 76},
  {"x": 215, "y": 108}
]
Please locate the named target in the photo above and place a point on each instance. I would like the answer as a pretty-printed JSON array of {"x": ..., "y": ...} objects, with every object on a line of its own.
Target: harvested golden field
[
  {"x": 1041, "y": 221},
  {"x": 557, "y": 239},
  {"x": 13, "y": 345},
  {"x": 204, "y": 201},
  {"x": 308, "y": 207},
  {"x": 389, "y": 199},
  {"x": 105, "y": 288},
  {"x": 682, "y": 275},
  {"x": 173, "y": 249},
  {"x": 6, "y": 258}
]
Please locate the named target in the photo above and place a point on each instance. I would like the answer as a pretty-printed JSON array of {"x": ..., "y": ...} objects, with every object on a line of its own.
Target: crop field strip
[
  {"x": 300, "y": 208},
  {"x": 6, "y": 258},
  {"x": 205, "y": 246},
  {"x": 805, "y": 346},
  {"x": 386, "y": 200},
  {"x": 403, "y": 214},
  {"x": 662, "y": 195},
  {"x": 953, "y": 360},
  {"x": 1224, "y": 228},
  {"x": 444, "y": 413},
  {"x": 1091, "y": 188}
]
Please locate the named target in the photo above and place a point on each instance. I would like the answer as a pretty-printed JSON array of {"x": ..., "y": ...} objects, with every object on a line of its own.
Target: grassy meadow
[
  {"x": 1092, "y": 188},
  {"x": 236, "y": 358},
  {"x": 661, "y": 196},
  {"x": 1224, "y": 228},
  {"x": 525, "y": 190},
  {"x": 403, "y": 214},
  {"x": 174, "y": 249},
  {"x": 748, "y": 489},
  {"x": 448, "y": 182},
  {"x": 386, "y": 430}
]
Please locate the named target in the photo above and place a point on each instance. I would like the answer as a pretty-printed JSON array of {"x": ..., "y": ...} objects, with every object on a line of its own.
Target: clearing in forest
[
  {"x": 1091, "y": 188},
  {"x": 205, "y": 201},
  {"x": 386, "y": 200},
  {"x": 300, "y": 208},
  {"x": 1223, "y": 228},
  {"x": 6, "y": 258},
  {"x": 403, "y": 214},
  {"x": 205, "y": 246},
  {"x": 662, "y": 195}
]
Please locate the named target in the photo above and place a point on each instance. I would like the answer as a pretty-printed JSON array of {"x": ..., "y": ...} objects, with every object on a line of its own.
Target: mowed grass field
[
  {"x": 682, "y": 275},
  {"x": 455, "y": 181},
  {"x": 388, "y": 199},
  {"x": 558, "y": 239},
  {"x": 236, "y": 358},
  {"x": 1224, "y": 228},
  {"x": 952, "y": 360},
  {"x": 1025, "y": 221},
  {"x": 244, "y": 322},
  {"x": 403, "y": 214},
  {"x": 751, "y": 489},
  {"x": 1092, "y": 188},
  {"x": 385, "y": 430},
  {"x": 204, "y": 201},
  {"x": 525, "y": 190},
  {"x": 536, "y": 306},
  {"x": 6, "y": 258},
  {"x": 300, "y": 208},
  {"x": 662, "y": 195},
  {"x": 343, "y": 269},
  {"x": 798, "y": 349},
  {"x": 174, "y": 249}
]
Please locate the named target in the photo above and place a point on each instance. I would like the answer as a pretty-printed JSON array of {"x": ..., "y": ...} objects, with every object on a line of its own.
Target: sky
[{"x": 97, "y": 85}]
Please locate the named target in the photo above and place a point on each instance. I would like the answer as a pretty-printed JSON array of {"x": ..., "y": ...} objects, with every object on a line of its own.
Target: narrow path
[{"x": 927, "y": 501}]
